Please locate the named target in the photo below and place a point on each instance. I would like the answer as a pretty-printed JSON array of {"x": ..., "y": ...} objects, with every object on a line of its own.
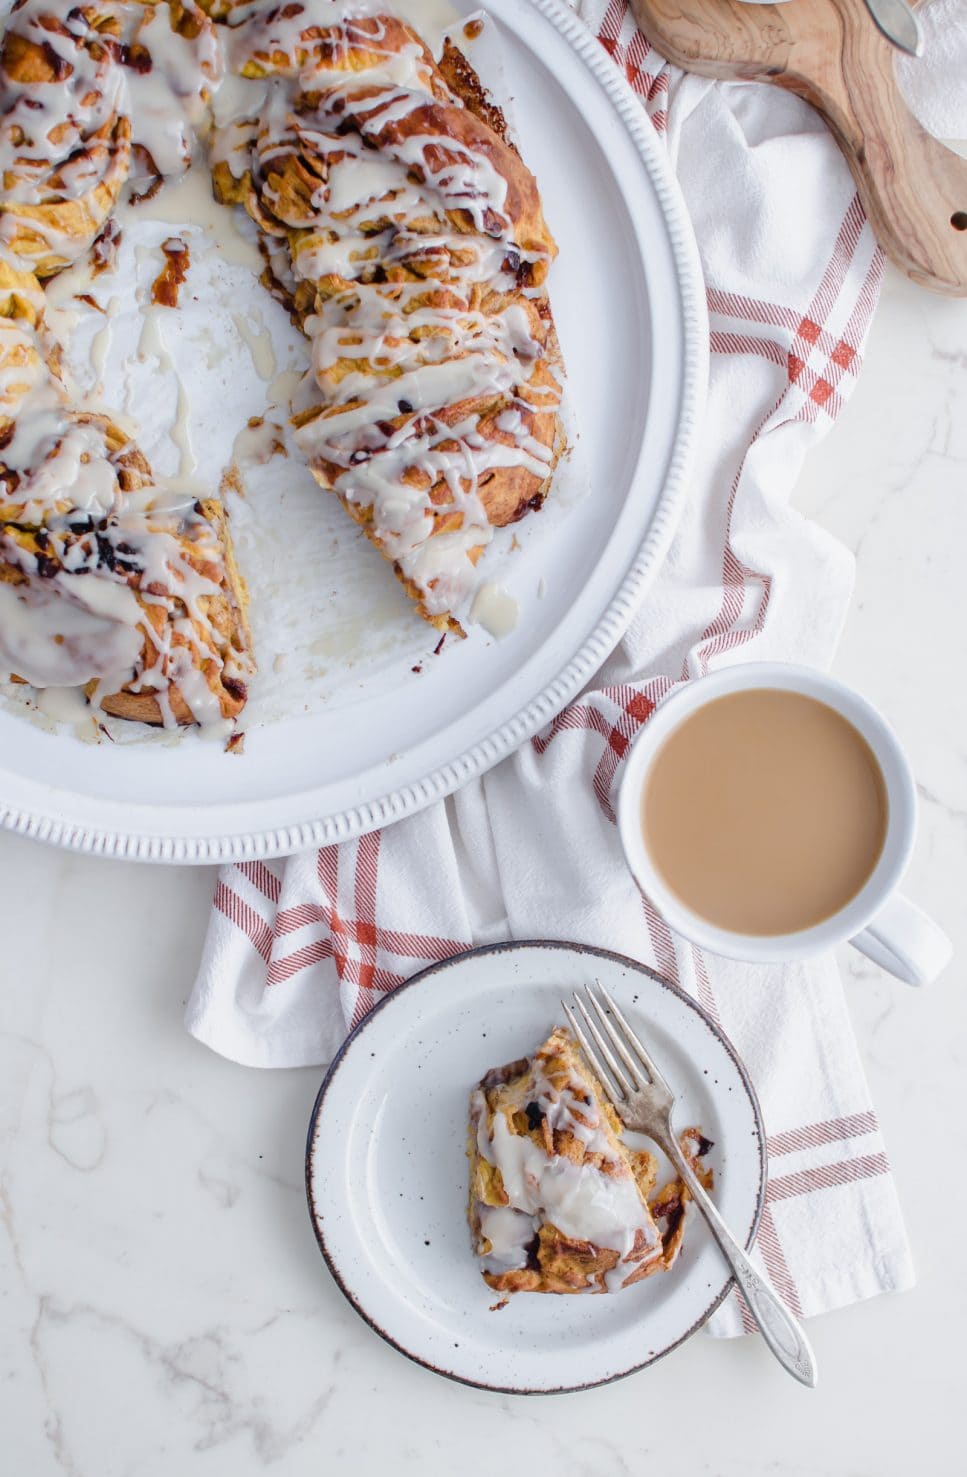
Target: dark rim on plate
[{"x": 514, "y": 946}]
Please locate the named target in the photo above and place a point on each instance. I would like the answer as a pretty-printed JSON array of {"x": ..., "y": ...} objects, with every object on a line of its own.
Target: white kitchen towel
[
  {"x": 299, "y": 949},
  {"x": 935, "y": 84}
]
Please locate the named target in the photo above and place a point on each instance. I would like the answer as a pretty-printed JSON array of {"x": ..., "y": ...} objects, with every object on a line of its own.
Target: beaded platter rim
[{"x": 343, "y": 825}]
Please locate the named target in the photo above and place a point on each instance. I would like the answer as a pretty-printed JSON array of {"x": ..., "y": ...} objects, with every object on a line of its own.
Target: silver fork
[{"x": 644, "y": 1102}]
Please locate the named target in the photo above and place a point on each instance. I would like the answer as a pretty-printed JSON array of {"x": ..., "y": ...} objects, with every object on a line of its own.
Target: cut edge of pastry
[{"x": 227, "y": 672}]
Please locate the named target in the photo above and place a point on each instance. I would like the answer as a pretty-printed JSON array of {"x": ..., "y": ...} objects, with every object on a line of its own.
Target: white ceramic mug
[{"x": 878, "y": 921}]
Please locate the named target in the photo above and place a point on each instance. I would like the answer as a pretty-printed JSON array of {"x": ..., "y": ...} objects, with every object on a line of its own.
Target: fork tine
[
  {"x": 597, "y": 1067},
  {"x": 604, "y": 1049},
  {"x": 638, "y": 1077},
  {"x": 635, "y": 1041}
]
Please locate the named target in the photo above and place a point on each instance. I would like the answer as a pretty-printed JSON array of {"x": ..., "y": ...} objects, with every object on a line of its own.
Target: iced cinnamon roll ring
[{"x": 402, "y": 230}]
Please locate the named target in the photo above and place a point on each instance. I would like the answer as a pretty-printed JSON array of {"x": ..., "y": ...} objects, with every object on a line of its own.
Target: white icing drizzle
[
  {"x": 510, "y": 1233},
  {"x": 283, "y": 387},
  {"x": 101, "y": 342},
  {"x": 187, "y": 202},
  {"x": 424, "y": 345},
  {"x": 56, "y": 638},
  {"x": 66, "y": 705},
  {"x": 53, "y": 126},
  {"x": 60, "y": 312},
  {"x": 257, "y": 443},
  {"x": 91, "y": 556},
  {"x": 90, "y": 559},
  {"x": 80, "y": 616},
  {"x": 258, "y": 341},
  {"x": 151, "y": 344},
  {"x": 57, "y": 463},
  {"x": 579, "y": 1199},
  {"x": 22, "y": 371},
  {"x": 169, "y": 101}
]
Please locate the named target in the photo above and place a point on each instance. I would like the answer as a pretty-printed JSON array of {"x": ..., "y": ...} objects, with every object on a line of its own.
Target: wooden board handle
[{"x": 913, "y": 189}]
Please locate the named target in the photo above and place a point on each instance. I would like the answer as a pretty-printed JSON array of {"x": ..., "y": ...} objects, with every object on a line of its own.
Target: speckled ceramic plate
[
  {"x": 386, "y": 1170},
  {"x": 387, "y": 727}
]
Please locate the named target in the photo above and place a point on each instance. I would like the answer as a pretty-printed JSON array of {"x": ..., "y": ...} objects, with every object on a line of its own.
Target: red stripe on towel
[
  {"x": 245, "y": 919},
  {"x": 826, "y": 1177},
  {"x": 830, "y": 1131}
]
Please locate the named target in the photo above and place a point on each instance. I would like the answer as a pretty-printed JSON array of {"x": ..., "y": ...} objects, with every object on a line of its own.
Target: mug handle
[{"x": 902, "y": 939}]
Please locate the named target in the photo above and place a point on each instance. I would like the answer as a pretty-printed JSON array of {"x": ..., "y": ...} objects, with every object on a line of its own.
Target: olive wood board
[{"x": 913, "y": 188}]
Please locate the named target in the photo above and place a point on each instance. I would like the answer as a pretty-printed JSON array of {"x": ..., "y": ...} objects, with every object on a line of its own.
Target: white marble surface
[{"x": 163, "y": 1307}]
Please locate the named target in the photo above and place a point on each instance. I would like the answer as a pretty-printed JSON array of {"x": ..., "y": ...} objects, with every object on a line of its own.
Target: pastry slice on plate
[{"x": 558, "y": 1202}]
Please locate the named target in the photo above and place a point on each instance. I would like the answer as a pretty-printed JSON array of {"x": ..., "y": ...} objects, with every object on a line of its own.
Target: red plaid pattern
[
  {"x": 816, "y": 360},
  {"x": 806, "y": 1182},
  {"x": 369, "y": 959},
  {"x": 616, "y": 713},
  {"x": 646, "y": 71}
]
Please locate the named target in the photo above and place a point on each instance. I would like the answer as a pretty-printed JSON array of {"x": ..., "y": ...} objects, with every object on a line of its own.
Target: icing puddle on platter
[{"x": 495, "y": 610}]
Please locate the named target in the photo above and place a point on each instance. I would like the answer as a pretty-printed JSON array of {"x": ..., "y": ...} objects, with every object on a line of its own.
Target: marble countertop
[{"x": 164, "y": 1307}]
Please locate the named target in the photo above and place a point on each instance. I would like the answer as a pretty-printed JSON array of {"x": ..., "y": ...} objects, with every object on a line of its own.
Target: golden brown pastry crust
[
  {"x": 211, "y": 633},
  {"x": 45, "y": 538},
  {"x": 462, "y": 80},
  {"x": 60, "y": 224}
]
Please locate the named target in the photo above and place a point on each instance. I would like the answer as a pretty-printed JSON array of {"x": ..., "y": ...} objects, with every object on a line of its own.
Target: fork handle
[{"x": 784, "y": 1335}]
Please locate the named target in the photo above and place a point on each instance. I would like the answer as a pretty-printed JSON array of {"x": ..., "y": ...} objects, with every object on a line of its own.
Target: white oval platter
[{"x": 629, "y": 302}]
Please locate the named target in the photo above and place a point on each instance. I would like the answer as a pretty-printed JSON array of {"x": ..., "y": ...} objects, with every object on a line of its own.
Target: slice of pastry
[
  {"x": 558, "y": 1203},
  {"x": 142, "y": 607},
  {"x": 108, "y": 581}
]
